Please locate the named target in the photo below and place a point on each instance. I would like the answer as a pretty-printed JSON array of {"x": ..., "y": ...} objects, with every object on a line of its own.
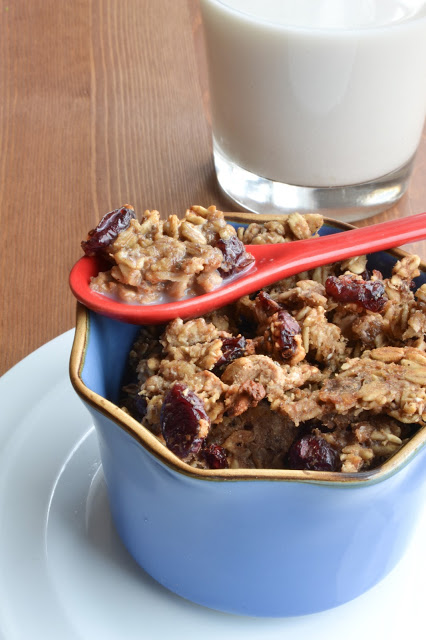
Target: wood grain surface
[{"x": 102, "y": 102}]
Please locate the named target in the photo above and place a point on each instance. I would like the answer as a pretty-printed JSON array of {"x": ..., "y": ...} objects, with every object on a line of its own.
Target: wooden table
[{"x": 102, "y": 102}]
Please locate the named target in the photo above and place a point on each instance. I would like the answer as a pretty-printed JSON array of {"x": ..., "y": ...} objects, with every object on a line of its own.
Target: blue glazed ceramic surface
[{"x": 262, "y": 544}]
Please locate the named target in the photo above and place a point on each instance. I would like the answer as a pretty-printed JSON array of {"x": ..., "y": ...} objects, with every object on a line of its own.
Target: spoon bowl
[{"x": 272, "y": 263}]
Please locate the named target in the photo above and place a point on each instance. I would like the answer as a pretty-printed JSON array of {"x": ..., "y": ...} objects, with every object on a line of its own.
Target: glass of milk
[{"x": 317, "y": 105}]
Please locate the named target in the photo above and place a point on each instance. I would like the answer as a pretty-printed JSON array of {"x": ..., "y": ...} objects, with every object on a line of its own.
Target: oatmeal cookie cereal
[
  {"x": 325, "y": 370},
  {"x": 289, "y": 227},
  {"x": 172, "y": 258}
]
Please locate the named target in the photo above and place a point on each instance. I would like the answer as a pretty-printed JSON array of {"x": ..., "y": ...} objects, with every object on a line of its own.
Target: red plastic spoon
[{"x": 272, "y": 262}]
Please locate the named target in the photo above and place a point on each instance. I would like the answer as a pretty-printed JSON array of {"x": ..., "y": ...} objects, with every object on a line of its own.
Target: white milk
[{"x": 317, "y": 92}]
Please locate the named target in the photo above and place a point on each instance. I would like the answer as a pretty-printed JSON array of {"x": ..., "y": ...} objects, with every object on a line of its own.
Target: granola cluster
[
  {"x": 289, "y": 227},
  {"x": 325, "y": 370},
  {"x": 156, "y": 260}
]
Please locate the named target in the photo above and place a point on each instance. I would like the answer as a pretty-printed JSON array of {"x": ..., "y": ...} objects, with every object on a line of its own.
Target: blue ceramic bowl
[{"x": 255, "y": 542}]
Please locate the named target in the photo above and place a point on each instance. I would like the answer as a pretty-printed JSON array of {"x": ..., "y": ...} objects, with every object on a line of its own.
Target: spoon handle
[{"x": 280, "y": 261}]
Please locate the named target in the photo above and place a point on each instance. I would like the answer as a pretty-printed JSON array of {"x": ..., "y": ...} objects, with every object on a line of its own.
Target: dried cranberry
[
  {"x": 136, "y": 405},
  {"x": 232, "y": 348},
  {"x": 107, "y": 230},
  {"x": 284, "y": 329},
  {"x": 268, "y": 305},
  {"x": 366, "y": 274},
  {"x": 235, "y": 257},
  {"x": 215, "y": 457},
  {"x": 184, "y": 421},
  {"x": 348, "y": 288},
  {"x": 313, "y": 453}
]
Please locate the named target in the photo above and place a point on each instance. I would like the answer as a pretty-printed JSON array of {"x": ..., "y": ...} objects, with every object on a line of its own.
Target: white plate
[{"x": 64, "y": 573}]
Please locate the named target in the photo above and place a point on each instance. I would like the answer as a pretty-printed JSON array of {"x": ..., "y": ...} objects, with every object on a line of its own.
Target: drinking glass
[{"x": 317, "y": 105}]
